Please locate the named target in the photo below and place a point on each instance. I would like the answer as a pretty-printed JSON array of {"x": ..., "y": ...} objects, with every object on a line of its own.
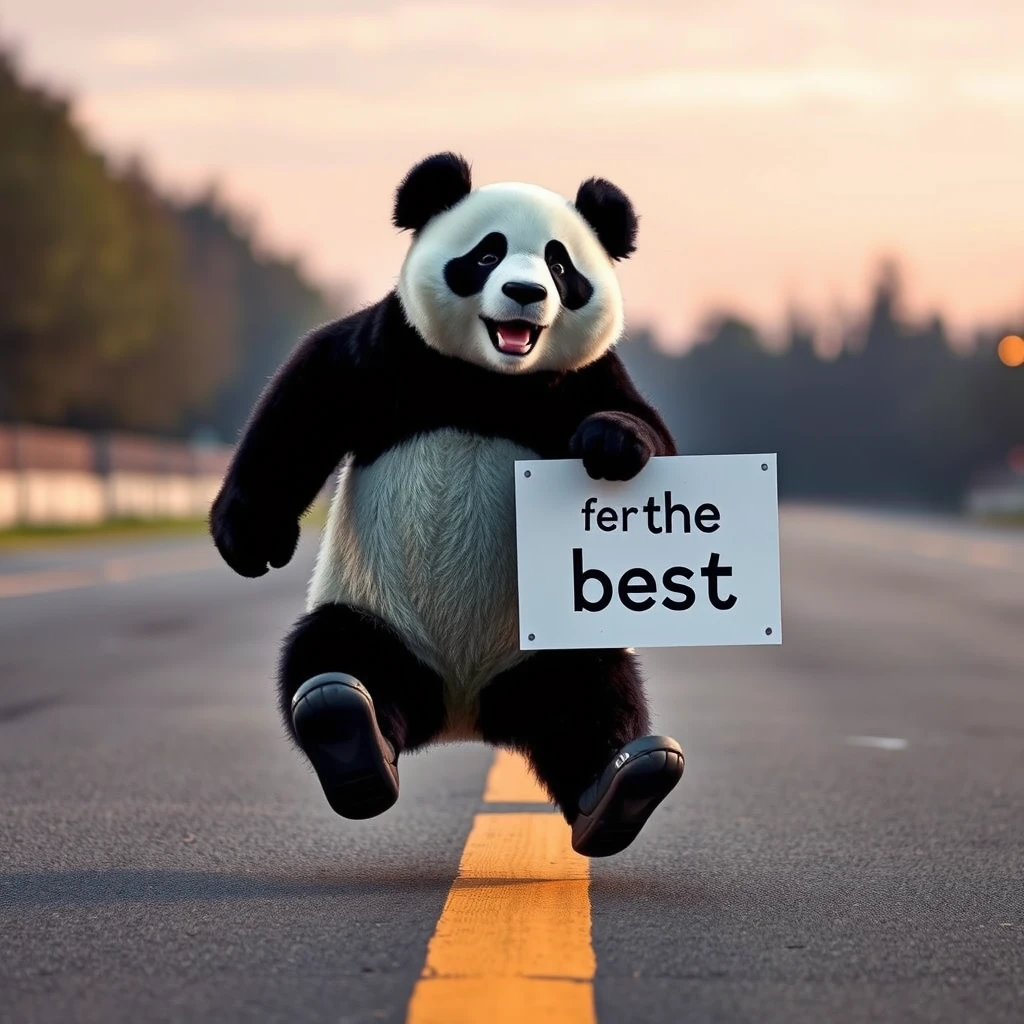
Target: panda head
[{"x": 512, "y": 277}]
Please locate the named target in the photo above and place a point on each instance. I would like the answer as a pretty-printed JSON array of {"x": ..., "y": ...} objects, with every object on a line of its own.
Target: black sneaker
[
  {"x": 616, "y": 807},
  {"x": 337, "y": 728}
]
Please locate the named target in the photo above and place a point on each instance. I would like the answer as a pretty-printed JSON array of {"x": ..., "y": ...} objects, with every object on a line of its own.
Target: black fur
[
  {"x": 362, "y": 385},
  {"x": 465, "y": 275},
  {"x": 573, "y": 288},
  {"x": 365, "y": 384},
  {"x": 613, "y": 445},
  {"x": 592, "y": 702},
  {"x": 434, "y": 185},
  {"x": 608, "y": 210},
  {"x": 407, "y": 695},
  {"x": 568, "y": 712}
]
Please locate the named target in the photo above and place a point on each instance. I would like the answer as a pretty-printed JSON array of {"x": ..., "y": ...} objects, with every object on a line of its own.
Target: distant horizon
[{"x": 775, "y": 168}]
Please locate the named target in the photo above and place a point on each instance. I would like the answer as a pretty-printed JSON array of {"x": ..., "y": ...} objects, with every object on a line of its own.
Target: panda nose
[{"x": 523, "y": 293}]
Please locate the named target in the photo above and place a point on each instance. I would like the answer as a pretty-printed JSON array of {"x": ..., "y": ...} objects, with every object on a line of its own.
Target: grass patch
[
  {"x": 115, "y": 529},
  {"x": 1007, "y": 519},
  {"x": 124, "y": 529}
]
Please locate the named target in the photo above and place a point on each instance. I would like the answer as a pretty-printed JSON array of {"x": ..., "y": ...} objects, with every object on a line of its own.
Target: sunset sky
[{"x": 775, "y": 149}]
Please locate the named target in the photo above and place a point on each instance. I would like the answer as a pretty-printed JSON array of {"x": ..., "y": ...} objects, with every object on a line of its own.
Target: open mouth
[{"x": 513, "y": 337}]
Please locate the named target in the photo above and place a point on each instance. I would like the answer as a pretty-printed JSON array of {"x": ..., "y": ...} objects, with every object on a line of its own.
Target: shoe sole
[
  {"x": 337, "y": 728},
  {"x": 636, "y": 789}
]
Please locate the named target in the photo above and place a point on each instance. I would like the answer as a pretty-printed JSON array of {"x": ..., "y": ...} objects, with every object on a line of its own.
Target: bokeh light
[{"x": 1011, "y": 350}]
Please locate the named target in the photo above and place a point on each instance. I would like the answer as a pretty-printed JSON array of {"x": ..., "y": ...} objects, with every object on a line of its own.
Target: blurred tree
[
  {"x": 260, "y": 303},
  {"x": 898, "y": 416},
  {"x": 64, "y": 255},
  {"x": 118, "y": 306}
]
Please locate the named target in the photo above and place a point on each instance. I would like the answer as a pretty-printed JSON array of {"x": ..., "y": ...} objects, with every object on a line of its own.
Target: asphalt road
[{"x": 847, "y": 843}]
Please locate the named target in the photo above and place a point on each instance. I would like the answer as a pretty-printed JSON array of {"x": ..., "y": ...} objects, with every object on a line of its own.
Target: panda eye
[
  {"x": 557, "y": 269},
  {"x": 487, "y": 260}
]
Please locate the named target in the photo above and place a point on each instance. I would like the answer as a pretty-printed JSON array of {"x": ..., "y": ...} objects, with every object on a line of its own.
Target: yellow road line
[
  {"x": 930, "y": 545},
  {"x": 21, "y": 584},
  {"x": 512, "y": 944},
  {"x": 513, "y": 940},
  {"x": 510, "y": 782},
  {"x": 156, "y": 564},
  {"x": 985, "y": 554},
  {"x": 933, "y": 545},
  {"x": 115, "y": 570}
]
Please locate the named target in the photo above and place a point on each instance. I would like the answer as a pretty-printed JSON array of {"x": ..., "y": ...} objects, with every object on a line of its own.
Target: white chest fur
[{"x": 424, "y": 537}]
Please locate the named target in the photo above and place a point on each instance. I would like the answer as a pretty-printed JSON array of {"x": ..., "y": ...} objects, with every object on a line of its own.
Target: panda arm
[
  {"x": 303, "y": 425},
  {"x": 616, "y": 432}
]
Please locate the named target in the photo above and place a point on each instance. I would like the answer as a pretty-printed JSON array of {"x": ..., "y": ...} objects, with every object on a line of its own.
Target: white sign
[{"x": 684, "y": 554}]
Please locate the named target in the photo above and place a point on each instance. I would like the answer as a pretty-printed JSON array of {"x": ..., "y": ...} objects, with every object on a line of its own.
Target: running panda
[{"x": 496, "y": 345}]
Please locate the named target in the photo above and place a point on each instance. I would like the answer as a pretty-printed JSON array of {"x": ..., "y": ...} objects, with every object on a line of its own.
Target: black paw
[
  {"x": 247, "y": 538},
  {"x": 611, "y": 446}
]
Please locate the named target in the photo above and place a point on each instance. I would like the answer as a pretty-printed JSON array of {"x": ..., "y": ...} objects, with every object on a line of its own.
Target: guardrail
[
  {"x": 50, "y": 476},
  {"x": 997, "y": 497}
]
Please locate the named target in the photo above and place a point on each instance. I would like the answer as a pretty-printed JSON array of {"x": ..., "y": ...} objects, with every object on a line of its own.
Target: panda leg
[
  {"x": 581, "y": 719},
  {"x": 353, "y": 698}
]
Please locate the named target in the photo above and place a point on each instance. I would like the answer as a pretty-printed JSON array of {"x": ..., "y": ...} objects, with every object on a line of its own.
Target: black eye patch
[
  {"x": 574, "y": 289},
  {"x": 467, "y": 274}
]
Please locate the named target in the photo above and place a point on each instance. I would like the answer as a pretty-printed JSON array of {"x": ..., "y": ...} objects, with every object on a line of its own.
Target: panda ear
[
  {"x": 607, "y": 209},
  {"x": 431, "y": 187}
]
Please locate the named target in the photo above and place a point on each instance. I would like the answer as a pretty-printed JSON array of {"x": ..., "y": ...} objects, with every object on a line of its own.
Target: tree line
[
  {"x": 121, "y": 307},
  {"x": 898, "y": 415}
]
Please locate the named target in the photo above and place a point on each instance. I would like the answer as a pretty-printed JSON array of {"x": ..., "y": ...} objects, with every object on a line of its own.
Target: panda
[{"x": 497, "y": 344}]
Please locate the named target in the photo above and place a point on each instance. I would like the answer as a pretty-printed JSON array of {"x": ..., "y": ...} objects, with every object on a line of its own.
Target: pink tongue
[{"x": 514, "y": 339}]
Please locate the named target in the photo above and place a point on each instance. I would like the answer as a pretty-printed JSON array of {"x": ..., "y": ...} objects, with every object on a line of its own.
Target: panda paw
[
  {"x": 249, "y": 539},
  {"x": 612, "y": 446}
]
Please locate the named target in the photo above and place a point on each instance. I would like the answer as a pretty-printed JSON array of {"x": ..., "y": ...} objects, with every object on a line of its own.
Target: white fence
[
  {"x": 59, "y": 477},
  {"x": 999, "y": 497}
]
